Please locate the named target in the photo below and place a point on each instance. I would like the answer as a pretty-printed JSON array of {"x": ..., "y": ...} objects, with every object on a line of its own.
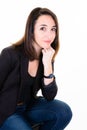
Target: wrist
[
  {"x": 49, "y": 76},
  {"x": 47, "y": 64},
  {"x": 48, "y": 70}
]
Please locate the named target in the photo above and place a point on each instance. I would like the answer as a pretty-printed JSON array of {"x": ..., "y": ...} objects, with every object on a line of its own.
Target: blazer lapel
[{"x": 23, "y": 72}]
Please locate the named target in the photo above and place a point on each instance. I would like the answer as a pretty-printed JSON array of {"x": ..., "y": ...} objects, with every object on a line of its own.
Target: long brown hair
[{"x": 28, "y": 37}]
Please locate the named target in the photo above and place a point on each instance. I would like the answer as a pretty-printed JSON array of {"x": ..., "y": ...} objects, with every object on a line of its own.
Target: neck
[{"x": 38, "y": 49}]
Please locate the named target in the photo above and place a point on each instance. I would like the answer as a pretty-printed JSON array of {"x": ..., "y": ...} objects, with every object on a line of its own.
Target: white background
[{"x": 71, "y": 62}]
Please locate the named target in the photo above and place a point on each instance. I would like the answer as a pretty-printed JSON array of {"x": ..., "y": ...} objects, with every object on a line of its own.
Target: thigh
[
  {"x": 53, "y": 105},
  {"x": 16, "y": 122},
  {"x": 44, "y": 110}
]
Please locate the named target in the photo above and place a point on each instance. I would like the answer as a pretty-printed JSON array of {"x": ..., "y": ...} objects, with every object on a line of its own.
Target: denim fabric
[{"x": 54, "y": 115}]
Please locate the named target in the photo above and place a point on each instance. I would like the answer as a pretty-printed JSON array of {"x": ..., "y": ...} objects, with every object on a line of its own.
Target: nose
[{"x": 49, "y": 35}]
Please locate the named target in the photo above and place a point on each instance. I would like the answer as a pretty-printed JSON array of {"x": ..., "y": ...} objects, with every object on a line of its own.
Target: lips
[{"x": 47, "y": 41}]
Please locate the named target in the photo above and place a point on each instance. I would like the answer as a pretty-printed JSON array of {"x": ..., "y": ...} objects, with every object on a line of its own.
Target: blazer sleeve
[
  {"x": 49, "y": 91},
  {"x": 5, "y": 65}
]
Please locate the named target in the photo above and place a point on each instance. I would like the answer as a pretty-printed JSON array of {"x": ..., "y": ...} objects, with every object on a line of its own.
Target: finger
[{"x": 43, "y": 50}]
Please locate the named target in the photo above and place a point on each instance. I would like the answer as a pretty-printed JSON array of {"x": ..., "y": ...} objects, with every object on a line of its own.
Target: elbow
[{"x": 50, "y": 95}]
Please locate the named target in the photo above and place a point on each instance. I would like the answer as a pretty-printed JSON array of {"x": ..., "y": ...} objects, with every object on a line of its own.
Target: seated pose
[{"x": 26, "y": 67}]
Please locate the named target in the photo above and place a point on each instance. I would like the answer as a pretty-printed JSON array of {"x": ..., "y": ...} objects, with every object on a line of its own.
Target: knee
[
  {"x": 66, "y": 114},
  {"x": 63, "y": 117},
  {"x": 63, "y": 111}
]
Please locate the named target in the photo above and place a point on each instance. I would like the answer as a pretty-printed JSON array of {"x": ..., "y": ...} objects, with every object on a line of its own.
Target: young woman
[{"x": 27, "y": 67}]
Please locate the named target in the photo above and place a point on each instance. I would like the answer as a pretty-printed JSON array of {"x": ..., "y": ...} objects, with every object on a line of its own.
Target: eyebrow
[{"x": 46, "y": 25}]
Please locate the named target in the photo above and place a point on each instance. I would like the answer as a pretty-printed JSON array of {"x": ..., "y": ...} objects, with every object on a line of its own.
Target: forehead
[{"x": 45, "y": 19}]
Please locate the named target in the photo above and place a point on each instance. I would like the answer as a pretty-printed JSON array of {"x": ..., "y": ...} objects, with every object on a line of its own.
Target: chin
[{"x": 47, "y": 46}]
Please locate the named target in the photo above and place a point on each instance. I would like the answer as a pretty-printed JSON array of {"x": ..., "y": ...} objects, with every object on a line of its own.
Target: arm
[
  {"x": 5, "y": 66},
  {"x": 47, "y": 63},
  {"x": 49, "y": 89}
]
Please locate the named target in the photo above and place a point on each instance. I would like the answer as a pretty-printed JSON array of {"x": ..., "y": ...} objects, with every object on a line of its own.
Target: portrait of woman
[{"x": 26, "y": 67}]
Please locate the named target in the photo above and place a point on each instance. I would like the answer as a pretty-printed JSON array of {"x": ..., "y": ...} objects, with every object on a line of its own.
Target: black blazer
[{"x": 13, "y": 70}]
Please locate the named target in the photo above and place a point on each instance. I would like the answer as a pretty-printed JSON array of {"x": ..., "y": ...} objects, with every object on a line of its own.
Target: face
[{"x": 44, "y": 32}]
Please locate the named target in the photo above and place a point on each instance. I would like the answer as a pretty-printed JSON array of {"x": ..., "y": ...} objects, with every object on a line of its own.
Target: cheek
[
  {"x": 37, "y": 38},
  {"x": 36, "y": 34},
  {"x": 53, "y": 38}
]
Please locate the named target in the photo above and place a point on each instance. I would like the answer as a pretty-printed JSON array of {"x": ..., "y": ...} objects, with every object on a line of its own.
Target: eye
[
  {"x": 43, "y": 28},
  {"x": 53, "y": 29}
]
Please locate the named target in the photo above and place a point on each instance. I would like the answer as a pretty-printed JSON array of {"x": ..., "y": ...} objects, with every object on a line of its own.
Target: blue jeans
[{"x": 54, "y": 115}]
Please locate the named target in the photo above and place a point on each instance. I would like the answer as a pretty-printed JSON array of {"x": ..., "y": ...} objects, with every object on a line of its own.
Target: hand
[{"x": 48, "y": 54}]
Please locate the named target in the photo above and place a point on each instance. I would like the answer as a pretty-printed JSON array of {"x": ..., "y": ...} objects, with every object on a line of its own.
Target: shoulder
[
  {"x": 11, "y": 54},
  {"x": 12, "y": 50}
]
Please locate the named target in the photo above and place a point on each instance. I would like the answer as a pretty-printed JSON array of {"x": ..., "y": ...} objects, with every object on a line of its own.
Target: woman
[{"x": 27, "y": 67}]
